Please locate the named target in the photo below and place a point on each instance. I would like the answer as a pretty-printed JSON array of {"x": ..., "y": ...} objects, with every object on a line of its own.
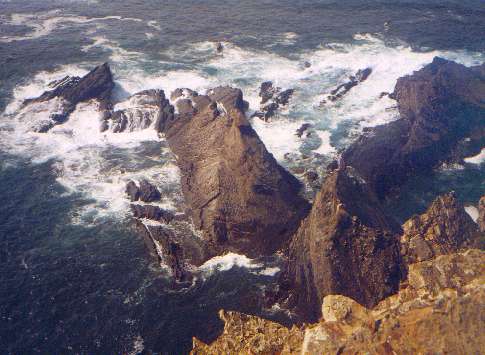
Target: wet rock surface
[
  {"x": 68, "y": 92},
  {"x": 272, "y": 99},
  {"x": 438, "y": 310},
  {"x": 360, "y": 76},
  {"x": 144, "y": 191}
]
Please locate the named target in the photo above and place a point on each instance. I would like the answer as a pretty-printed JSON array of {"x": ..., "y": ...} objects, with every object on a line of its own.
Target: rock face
[
  {"x": 481, "y": 214},
  {"x": 272, "y": 98},
  {"x": 235, "y": 191},
  {"x": 440, "y": 105},
  {"x": 145, "y": 109},
  {"x": 444, "y": 228},
  {"x": 70, "y": 91},
  {"x": 346, "y": 246},
  {"x": 439, "y": 311},
  {"x": 344, "y": 88}
]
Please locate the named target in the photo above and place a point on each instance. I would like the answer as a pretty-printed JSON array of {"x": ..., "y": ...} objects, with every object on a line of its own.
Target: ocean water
[{"x": 75, "y": 276}]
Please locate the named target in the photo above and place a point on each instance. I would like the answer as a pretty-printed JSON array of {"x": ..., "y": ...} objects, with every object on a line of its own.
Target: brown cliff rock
[
  {"x": 444, "y": 228},
  {"x": 441, "y": 311},
  {"x": 440, "y": 105},
  {"x": 235, "y": 191},
  {"x": 345, "y": 246},
  {"x": 481, "y": 214}
]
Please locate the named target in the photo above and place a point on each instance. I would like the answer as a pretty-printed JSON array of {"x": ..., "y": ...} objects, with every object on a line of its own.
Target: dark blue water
[{"x": 91, "y": 288}]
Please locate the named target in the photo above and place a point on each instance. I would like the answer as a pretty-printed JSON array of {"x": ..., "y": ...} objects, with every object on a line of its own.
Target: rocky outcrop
[
  {"x": 272, "y": 99},
  {"x": 68, "y": 92},
  {"x": 481, "y": 214},
  {"x": 346, "y": 245},
  {"x": 443, "y": 229},
  {"x": 234, "y": 190},
  {"x": 176, "y": 247},
  {"x": 439, "y": 310},
  {"x": 153, "y": 213},
  {"x": 145, "y": 109},
  {"x": 145, "y": 191},
  {"x": 341, "y": 90},
  {"x": 439, "y": 105},
  {"x": 245, "y": 334}
]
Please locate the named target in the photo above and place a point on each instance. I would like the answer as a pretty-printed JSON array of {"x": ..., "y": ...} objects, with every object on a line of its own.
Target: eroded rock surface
[
  {"x": 346, "y": 245},
  {"x": 440, "y": 105},
  {"x": 440, "y": 310},
  {"x": 235, "y": 191},
  {"x": 444, "y": 228},
  {"x": 481, "y": 214}
]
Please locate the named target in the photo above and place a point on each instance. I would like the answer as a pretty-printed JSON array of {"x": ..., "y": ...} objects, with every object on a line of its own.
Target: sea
[{"x": 75, "y": 277}]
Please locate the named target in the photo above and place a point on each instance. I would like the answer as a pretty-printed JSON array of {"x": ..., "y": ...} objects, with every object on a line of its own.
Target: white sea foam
[
  {"x": 477, "y": 159},
  {"x": 42, "y": 24},
  {"x": 325, "y": 147},
  {"x": 472, "y": 212},
  {"x": 228, "y": 261}
]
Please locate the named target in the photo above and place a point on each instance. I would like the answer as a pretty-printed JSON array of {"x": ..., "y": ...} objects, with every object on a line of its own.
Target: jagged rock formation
[
  {"x": 245, "y": 334},
  {"x": 145, "y": 191},
  {"x": 481, "y": 214},
  {"x": 444, "y": 228},
  {"x": 440, "y": 105},
  {"x": 354, "y": 80},
  {"x": 439, "y": 310},
  {"x": 235, "y": 191},
  {"x": 67, "y": 93},
  {"x": 272, "y": 98},
  {"x": 346, "y": 245},
  {"x": 142, "y": 110}
]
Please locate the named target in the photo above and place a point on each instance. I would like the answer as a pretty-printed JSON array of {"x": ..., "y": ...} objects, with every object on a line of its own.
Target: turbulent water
[{"x": 75, "y": 277}]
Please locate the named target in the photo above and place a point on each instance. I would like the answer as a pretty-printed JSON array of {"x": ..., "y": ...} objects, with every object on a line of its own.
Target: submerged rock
[
  {"x": 235, "y": 191},
  {"x": 439, "y": 311},
  {"x": 346, "y": 245},
  {"x": 443, "y": 229},
  {"x": 354, "y": 80},
  {"x": 439, "y": 105},
  {"x": 68, "y": 92}
]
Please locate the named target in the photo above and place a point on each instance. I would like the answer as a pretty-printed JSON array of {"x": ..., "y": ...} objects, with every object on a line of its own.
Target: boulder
[
  {"x": 145, "y": 191},
  {"x": 346, "y": 245},
  {"x": 439, "y": 105},
  {"x": 234, "y": 190},
  {"x": 151, "y": 212}
]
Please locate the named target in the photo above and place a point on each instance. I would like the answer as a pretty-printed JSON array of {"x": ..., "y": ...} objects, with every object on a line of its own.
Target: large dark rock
[
  {"x": 145, "y": 191},
  {"x": 444, "y": 228},
  {"x": 153, "y": 213},
  {"x": 145, "y": 109},
  {"x": 235, "y": 191},
  {"x": 440, "y": 105},
  {"x": 346, "y": 245},
  {"x": 70, "y": 91}
]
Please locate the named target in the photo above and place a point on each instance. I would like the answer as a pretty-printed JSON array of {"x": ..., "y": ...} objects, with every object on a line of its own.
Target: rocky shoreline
[{"x": 237, "y": 198}]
